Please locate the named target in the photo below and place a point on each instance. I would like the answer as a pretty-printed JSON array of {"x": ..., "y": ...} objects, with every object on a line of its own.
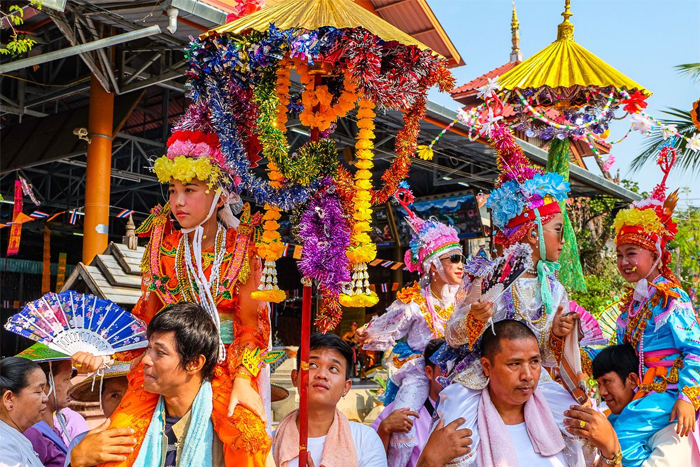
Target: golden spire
[
  {"x": 565, "y": 31},
  {"x": 515, "y": 55}
]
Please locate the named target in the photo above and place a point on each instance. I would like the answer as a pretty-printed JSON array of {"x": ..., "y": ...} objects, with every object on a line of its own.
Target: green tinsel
[{"x": 571, "y": 273}]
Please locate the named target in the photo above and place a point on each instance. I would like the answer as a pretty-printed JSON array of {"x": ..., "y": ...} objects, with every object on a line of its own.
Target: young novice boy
[{"x": 659, "y": 321}]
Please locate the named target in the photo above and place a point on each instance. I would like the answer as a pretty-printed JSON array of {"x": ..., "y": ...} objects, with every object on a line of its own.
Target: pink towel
[
  {"x": 338, "y": 451},
  {"x": 496, "y": 448}
]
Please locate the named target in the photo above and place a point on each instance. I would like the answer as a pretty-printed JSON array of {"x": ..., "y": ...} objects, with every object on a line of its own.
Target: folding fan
[
  {"x": 607, "y": 318},
  {"x": 502, "y": 272},
  {"x": 71, "y": 322},
  {"x": 588, "y": 326}
]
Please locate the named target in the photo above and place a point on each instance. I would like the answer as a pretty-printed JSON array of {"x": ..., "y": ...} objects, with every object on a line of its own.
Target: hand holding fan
[
  {"x": 590, "y": 332},
  {"x": 498, "y": 275},
  {"x": 71, "y": 322}
]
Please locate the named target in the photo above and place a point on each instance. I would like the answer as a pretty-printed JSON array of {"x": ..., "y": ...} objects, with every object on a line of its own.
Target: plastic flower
[
  {"x": 641, "y": 123},
  {"x": 550, "y": 183},
  {"x": 694, "y": 142},
  {"x": 668, "y": 131},
  {"x": 488, "y": 90}
]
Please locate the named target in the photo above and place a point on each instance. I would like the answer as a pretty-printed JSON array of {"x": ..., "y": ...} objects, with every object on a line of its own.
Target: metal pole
[{"x": 79, "y": 49}]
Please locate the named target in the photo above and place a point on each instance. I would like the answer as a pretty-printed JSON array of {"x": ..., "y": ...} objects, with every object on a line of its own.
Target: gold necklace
[{"x": 531, "y": 323}]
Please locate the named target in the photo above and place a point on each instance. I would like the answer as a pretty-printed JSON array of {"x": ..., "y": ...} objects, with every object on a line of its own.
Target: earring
[{"x": 11, "y": 406}]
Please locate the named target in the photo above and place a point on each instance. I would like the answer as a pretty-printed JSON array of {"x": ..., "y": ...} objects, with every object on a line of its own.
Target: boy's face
[
  {"x": 616, "y": 392},
  {"x": 327, "y": 381}
]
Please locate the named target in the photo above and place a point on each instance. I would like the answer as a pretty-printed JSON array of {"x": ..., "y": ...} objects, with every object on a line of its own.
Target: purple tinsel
[{"x": 326, "y": 236}]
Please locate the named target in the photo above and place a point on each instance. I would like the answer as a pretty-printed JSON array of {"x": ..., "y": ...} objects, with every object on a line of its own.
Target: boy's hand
[{"x": 684, "y": 411}]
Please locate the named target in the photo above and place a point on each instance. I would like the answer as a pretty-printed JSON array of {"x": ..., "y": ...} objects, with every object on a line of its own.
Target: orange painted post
[{"x": 99, "y": 168}]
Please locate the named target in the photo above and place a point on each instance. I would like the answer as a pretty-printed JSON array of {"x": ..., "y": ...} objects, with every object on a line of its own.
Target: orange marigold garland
[
  {"x": 270, "y": 247},
  {"x": 362, "y": 250},
  {"x": 283, "y": 85},
  {"x": 327, "y": 112}
]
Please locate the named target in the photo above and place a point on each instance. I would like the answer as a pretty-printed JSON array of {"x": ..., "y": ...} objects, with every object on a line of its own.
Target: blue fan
[{"x": 71, "y": 322}]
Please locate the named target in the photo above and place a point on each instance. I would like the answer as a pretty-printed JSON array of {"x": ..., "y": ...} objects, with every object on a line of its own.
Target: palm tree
[{"x": 687, "y": 158}]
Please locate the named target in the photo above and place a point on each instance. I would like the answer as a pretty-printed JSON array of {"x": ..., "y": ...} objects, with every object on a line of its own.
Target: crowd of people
[{"x": 474, "y": 379}]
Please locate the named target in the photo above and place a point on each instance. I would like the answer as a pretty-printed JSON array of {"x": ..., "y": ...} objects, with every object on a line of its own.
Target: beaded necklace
[{"x": 531, "y": 323}]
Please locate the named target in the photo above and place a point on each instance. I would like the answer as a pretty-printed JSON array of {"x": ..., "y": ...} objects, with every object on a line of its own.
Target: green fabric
[
  {"x": 226, "y": 331},
  {"x": 41, "y": 353},
  {"x": 571, "y": 273},
  {"x": 545, "y": 268}
]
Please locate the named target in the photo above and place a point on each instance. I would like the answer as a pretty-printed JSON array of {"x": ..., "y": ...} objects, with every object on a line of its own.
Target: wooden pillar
[{"x": 99, "y": 168}]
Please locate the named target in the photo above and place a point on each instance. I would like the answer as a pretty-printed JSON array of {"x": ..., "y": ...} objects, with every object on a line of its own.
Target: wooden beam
[{"x": 379, "y": 9}]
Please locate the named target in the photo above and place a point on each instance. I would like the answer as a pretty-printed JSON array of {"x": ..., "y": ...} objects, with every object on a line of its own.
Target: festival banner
[
  {"x": 61, "y": 273},
  {"x": 16, "y": 230},
  {"x": 46, "y": 266}
]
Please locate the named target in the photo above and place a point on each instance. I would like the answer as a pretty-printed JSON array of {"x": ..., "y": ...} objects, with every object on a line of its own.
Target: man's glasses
[
  {"x": 559, "y": 231},
  {"x": 455, "y": 259}
]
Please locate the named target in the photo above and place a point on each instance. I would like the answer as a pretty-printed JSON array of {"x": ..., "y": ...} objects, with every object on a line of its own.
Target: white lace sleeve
[{"x": 383, "y": 331}]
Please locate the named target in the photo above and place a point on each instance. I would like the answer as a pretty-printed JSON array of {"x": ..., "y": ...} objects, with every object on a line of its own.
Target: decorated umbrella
[
  {"x": 585, "y": 92},
  {"x": 240, "y": 80}
]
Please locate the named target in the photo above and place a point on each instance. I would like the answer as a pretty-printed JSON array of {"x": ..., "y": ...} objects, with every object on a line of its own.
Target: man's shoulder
[{"x": 362, "y": 433}]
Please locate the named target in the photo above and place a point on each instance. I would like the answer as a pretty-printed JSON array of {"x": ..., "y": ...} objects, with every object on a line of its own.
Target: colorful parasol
[
  {"x": 567, "y": 69},
  {"x": 585, "y": 91},
  {"x": 316, "y": 14},
  {"x": 345, "y": 57}
]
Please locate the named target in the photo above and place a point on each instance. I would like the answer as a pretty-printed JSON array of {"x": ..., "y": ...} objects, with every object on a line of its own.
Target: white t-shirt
[
  {"x": 369, "y": 447},
  {"x": 526, "y": 452}
]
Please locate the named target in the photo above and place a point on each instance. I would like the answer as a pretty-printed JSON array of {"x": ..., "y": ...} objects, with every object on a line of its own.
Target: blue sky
[{"x": 644, "y": 39}]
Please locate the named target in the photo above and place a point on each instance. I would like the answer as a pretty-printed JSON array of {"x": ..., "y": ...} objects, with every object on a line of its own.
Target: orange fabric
[
  {"x": 246, "y": 443},
  {"x": 649, "y": 377}
]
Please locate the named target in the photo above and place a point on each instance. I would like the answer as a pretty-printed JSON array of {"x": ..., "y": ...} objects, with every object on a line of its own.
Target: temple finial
[
  {"x": 565, "y": 31},
  {"x": 515, "y": 55}
]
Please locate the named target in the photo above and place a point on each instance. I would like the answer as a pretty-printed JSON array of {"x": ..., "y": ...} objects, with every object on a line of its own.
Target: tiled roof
[{"x": 481, "y": 80}]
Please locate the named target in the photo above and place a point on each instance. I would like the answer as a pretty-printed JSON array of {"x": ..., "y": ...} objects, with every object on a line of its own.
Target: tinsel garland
[
  {"x": 313, "y": 160},
  {"x": 326, "y": 235},
  {"x": 511, "y": 160},
  {"x": 225, "y": 121},
  {"x": 362, "y": 250}
]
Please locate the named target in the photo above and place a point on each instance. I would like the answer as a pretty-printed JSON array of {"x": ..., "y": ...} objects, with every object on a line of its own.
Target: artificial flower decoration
[
  {"x": 362, "y": 250},
  {"x": 641, "y": 123},
  {"x": 634, "y": 102},
  {"x": 694, "y": 142},
  {"x": 667, "y": 131}
]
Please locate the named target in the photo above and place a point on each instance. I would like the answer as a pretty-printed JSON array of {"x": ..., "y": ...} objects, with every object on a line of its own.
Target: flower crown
[
  {"x": 513, "y": 202},
  {"x": 430, "y": 238},
  {"x": 194, "y": 154},
  {"x": 650, "y": 220}
]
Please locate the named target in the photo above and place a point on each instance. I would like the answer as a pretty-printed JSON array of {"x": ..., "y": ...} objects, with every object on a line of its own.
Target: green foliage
[
  {"x": 592, "y": 220},
  {"x": 19, "y": 43},
  {"x": 601, "y": 289}
]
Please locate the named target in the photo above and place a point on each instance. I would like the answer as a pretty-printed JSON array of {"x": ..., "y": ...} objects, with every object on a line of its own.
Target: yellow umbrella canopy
[
  {"x": 565, "y": 64},
  {"x": 314, "y": 14}
]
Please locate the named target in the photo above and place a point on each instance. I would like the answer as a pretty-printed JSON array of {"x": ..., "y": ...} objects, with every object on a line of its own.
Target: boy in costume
[
  {"x": 416, "y": 317},
  {"x": 659, "y": 321},
  {"x": 526, "y": 210},
  {"x": 211, "y": 261}
]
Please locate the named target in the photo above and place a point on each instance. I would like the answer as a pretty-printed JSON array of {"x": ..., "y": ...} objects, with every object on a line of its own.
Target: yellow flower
[{"x": 645, "y": 218}]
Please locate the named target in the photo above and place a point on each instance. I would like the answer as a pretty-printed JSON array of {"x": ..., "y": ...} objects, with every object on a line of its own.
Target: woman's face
[
  {"x": 634, "y": 262},
  {"x": 28, "y": 406},
  {"x": 190, "y": 202},
  {"x": 453, "y": 265},
  {"x": 62, "y": 372}
]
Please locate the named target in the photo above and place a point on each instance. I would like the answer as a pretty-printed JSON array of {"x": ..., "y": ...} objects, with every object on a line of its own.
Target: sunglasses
[
  {"x": 559, "y": 231},
  {"x": 455, "y": 259}
]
